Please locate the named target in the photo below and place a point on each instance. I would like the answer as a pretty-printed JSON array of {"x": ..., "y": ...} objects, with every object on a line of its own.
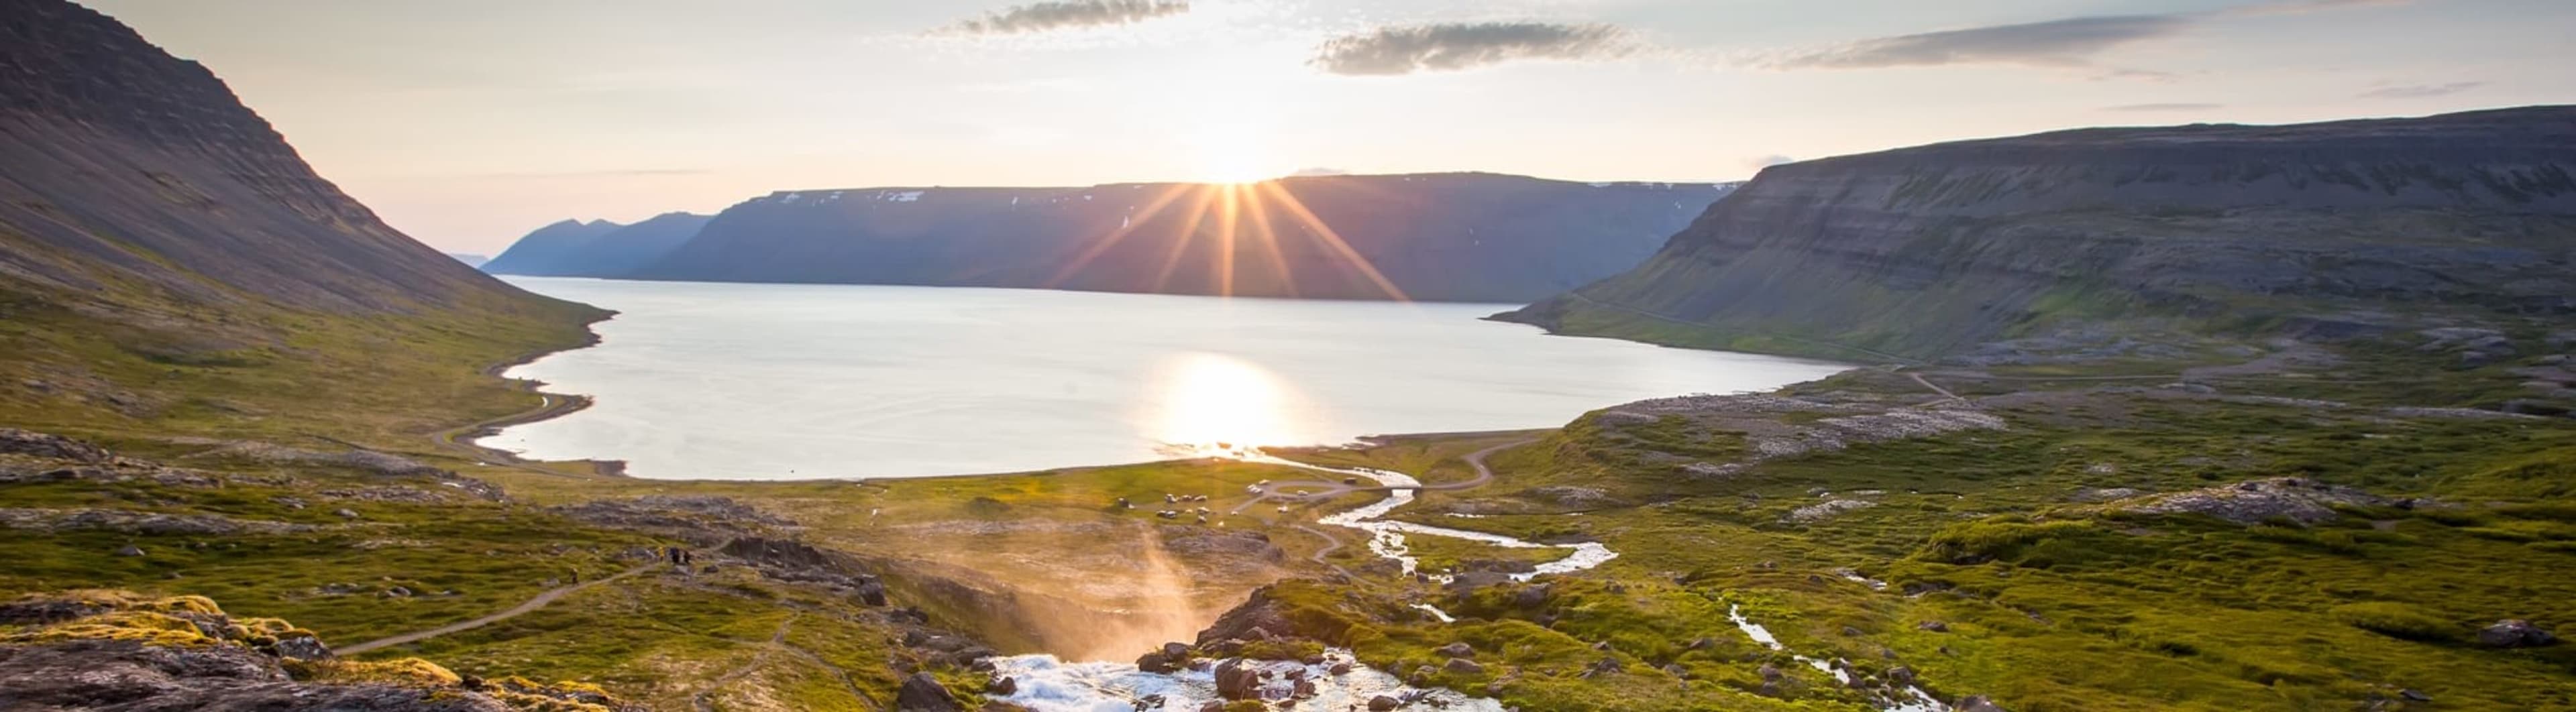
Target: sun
[{"x": 1233, "y": 154}]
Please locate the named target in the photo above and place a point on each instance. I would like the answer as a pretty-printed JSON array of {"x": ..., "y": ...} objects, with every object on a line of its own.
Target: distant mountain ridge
[
  {"x": 132, "y": 169},
  {"x": 1925, "y": 251},
  {"x": 1444, "y": 237},
  {"x": 597, "y": 248}
]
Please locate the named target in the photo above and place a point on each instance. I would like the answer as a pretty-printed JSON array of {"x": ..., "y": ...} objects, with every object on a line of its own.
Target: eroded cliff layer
[{"x": 1921, "y": 251}]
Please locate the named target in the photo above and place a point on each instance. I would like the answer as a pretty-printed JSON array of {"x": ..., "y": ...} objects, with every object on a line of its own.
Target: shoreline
[{"x": 460, "y": 440}]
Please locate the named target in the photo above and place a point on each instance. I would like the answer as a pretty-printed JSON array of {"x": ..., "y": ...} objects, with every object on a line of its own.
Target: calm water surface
[{"x": 697, "y": 380}]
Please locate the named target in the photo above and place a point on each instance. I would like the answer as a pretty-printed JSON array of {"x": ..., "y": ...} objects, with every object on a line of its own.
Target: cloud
[
  {"x": 2299, "y": 7},
  {"x": 1454, "y": 46},
  {"x": 2419, "y": 91},
  {"x": 2174, "y": 106},
  {"x": 2055, "y": 43},
  {"x": 1768, "y": 161},
  {"x": 1065, "y": 14}
]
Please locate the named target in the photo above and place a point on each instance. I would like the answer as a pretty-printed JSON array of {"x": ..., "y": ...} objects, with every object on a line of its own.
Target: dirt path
[
  {"x": 459, "y": 440},
  {"x": 1927, "y": 383},
  {"x": 523, "y": 609},
  {"x": 1328, "y": 490}
]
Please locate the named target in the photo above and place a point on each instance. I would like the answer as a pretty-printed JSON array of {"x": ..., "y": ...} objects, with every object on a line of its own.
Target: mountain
[
  {"x": 548, "y": 250},
  {"x": 1441, "y": 237},
  {"x": 168, "y": 262},
  {"x": 132, "y": 171},
  {"x": 1926, "y": 251}
]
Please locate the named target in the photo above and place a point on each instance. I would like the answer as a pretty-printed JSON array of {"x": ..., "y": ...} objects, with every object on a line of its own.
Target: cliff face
[
  {"x": 131, "y": 169},
  {"x": 1445, "y": 237},
  {"x": 1923, "y": 251}
]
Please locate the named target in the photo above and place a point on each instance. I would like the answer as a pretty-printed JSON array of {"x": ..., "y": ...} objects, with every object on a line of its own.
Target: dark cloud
[
  {"x": 2421, "y": 90},
  {"x": 2175, "y": 106},
  {"x": 1044, "y": 16},
  {"x": 1442, "y": 47},
  {"x": 2068, "y": 42}
]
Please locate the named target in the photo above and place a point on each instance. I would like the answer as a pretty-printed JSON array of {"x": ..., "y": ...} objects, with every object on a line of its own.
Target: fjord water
[{"x": 771, "y": 381}]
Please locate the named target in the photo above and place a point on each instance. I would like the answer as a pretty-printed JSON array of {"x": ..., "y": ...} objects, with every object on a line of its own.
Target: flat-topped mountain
[
  {"x": 1923, "y": 251},
  {"x": 598, "y": 248},
  {"x": 130, "y": 169},
  {"x": 1442, "y": 237}
]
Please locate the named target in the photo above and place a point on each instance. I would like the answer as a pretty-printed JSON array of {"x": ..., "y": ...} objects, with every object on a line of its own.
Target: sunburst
[{"x": 1239, "y": 213}]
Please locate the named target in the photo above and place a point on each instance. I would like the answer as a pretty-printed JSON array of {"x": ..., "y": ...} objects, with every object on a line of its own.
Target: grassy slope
[{"x": 2078, "y": 609}]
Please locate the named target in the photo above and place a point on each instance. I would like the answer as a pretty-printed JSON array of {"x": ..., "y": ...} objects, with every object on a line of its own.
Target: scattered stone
[
  {"x": 1005, "y": 686},
  {"x": 1463, "y": 666},
  {"x": 1827, "y": 510},
  {"x": 1341, "y": 668},
  {"x": 1382, "y": 703},
  {"x": 2515, "y": 633},
  {"x": 1976, "y": 703},
  {"x": 923, "y": 693},
  {"x": 1933, "y": 626},
  {"x": 22, "y": 442},
  {"x": 397, "y": 592},
  {"x": 129, "y": 550},
  {"x": 2414, "y": 695},
  {"x": 1456, "y": 650},
  {"x": 344, "y": 513}
]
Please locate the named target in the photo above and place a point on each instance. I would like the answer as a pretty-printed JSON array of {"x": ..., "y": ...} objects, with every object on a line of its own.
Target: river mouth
[{"x": 758, "y": 381}]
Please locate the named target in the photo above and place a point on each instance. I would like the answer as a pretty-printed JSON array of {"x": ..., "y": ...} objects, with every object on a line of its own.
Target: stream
[{"x": 1048, "y": 684}]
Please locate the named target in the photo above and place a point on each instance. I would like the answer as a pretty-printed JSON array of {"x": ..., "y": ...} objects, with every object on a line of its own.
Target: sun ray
[
  {"x": 1189, "y": 233},
  {"x": 1229, "y": 211},
  {"x": 1135, "y": 223},
  {"x": 1332, "y": 239},
  {"x": 1270, "y": 243}
]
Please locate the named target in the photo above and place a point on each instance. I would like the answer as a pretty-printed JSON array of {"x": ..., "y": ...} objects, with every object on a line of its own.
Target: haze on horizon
[{"x": 467, "y": 128}]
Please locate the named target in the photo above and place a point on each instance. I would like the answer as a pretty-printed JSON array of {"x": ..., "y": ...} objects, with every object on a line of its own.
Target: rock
[
  {"x": 872, "y": 592},
  {"x": 1456, "y": 650},
  {"x": 1532, "y": 596},
  {"x": 1237, "y": 681},
  {"x": 22, "y": 442},
  {"x": 1700, "y": 644},
  {"x": 397, "y": 592},
  {"x": 344, "y": 513},
  {"x": 1382, "y": 703},
  {"x": 1933, "y": 626},
  {"x": 1157, "y": 663},
  {"x": 2297, "y": 499},
  {"x": 923, "y": 693},
  {"x": 1975, "y": 703},
  {"x": 1259, "y": 612},
  {"x": 1303, "y": 689},
  {"x": 1212, "y": 706},
  {"x": 1463, "y": 666},
  {"x": 1004, "y": 686},
  {"x": 2414, "y": 695},
  {"x": 1176, "y": 651},
  {"x": 2514, "y": 633},
  {"x": 1900, "y": 675},
  {"x": 129, "y": 550},
  {"x": 1341, "y": 668},
  {"x": 1851, "y": 632},
  {"x": 1769, "y": 672}
]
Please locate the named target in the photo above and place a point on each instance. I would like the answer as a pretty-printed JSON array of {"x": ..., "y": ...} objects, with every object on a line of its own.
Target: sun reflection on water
[{"x": 1211, "y": 405}]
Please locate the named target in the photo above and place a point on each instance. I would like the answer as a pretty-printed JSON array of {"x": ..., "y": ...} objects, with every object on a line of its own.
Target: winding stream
[{"x": 1048, "y": 684}]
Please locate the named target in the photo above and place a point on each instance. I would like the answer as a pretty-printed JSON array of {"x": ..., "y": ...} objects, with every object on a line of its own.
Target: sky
[{"x": 467, "y": 123}]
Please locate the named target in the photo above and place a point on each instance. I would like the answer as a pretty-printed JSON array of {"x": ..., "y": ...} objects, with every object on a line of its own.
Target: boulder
[
  {"x": 1976, "y": 703},
  {"x": 2514, "y": 633},
  {"x": 1157, "y": 663},
  {"x": 1463, "y": 666},
  {"x": 923, "y": 693},
  {"x": 1933, "y": 626},
  {"x": 1457, "y": 650},
  {"x": 1382, "y": 703},
  {"x": 872, "y": 592},
  {"x": 1237, "y": 681},
  {"x": 129, "y": 550},
  {"x": 1004, "y": 686}
]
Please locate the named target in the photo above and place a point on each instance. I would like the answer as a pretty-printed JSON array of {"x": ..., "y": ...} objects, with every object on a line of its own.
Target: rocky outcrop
[
  {"x": 121, "y": 651},
  {"x": 2253, "y": 502},
  {"x": 1437, "y": 237},
  {"x": 2515, "y": 633},
  {"x": 1926, "y": 251},
  {"x": 128, "y": 167},
  {"x": 923, "y": 693},
  {"x": 598, "y": 248}
]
